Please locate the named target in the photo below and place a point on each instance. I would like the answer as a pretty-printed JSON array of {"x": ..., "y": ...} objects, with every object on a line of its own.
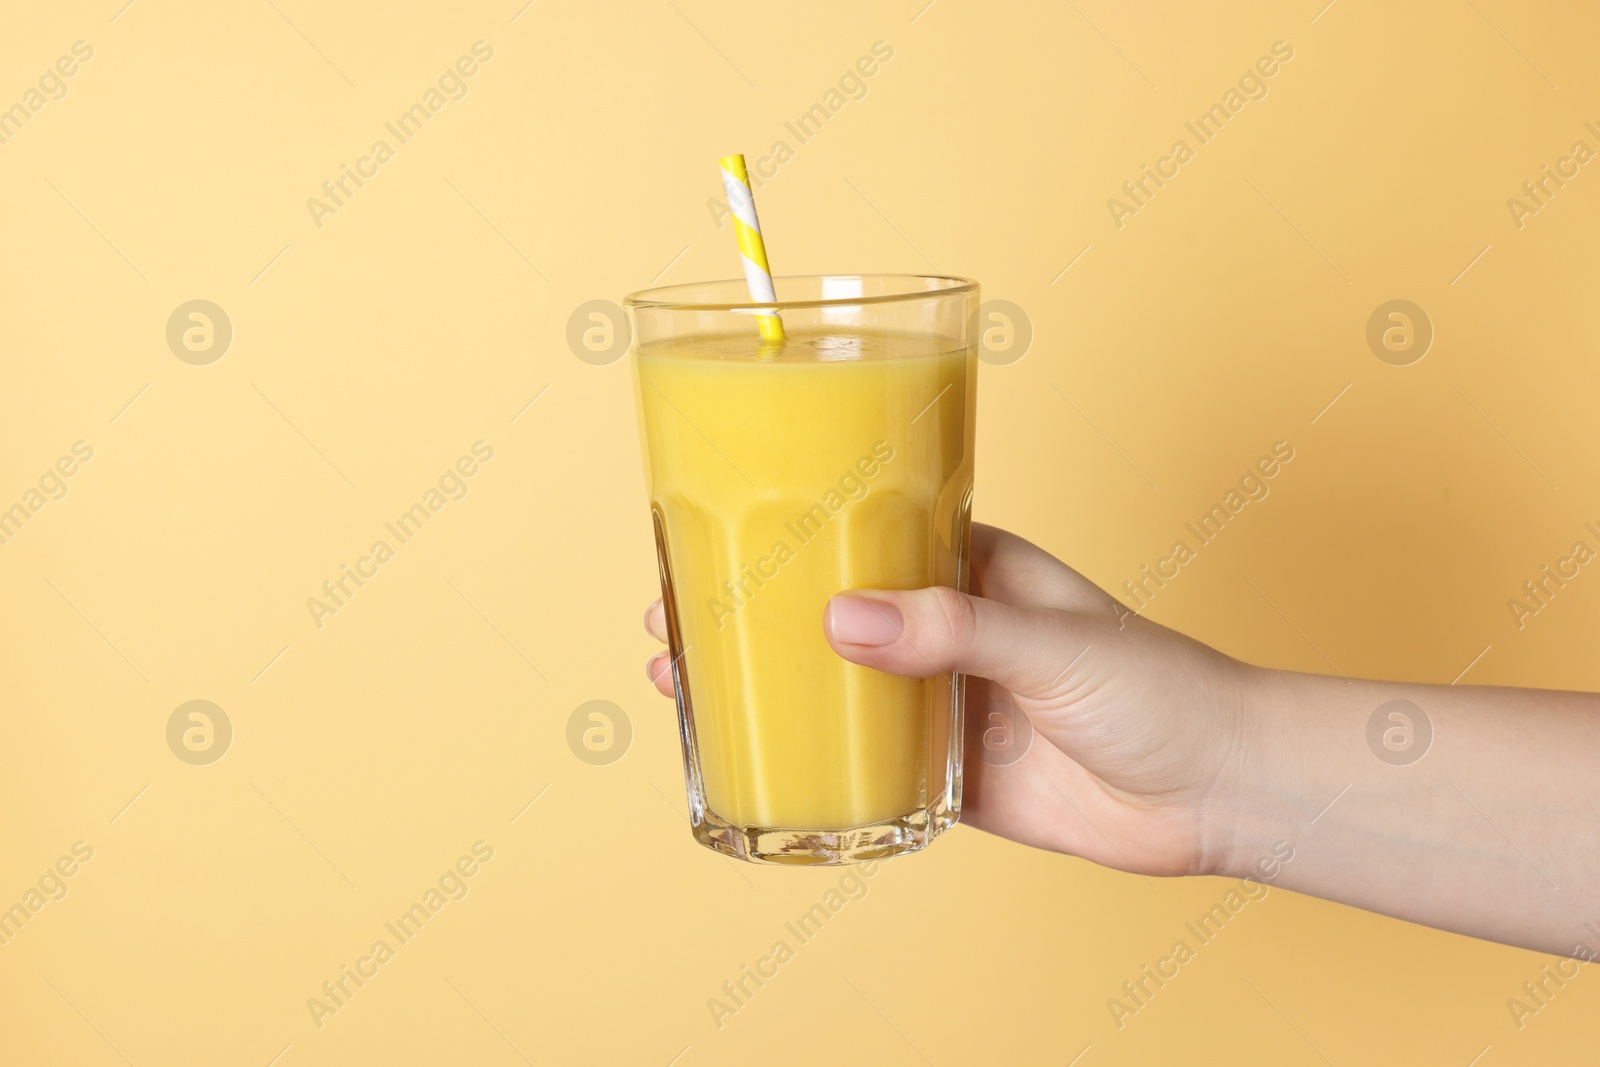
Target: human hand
[{"x": 1142, "y": 741}]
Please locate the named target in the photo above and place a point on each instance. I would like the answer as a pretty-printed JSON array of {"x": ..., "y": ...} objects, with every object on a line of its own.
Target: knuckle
[{"x": 953, "y": 618}]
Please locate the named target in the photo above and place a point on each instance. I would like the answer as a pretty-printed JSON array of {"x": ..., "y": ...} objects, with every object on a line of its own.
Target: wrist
[{"x": 1258, "y": 793}]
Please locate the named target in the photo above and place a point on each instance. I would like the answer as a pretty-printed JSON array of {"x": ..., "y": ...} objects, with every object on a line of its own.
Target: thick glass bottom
[{"x": 911, "y": 832}]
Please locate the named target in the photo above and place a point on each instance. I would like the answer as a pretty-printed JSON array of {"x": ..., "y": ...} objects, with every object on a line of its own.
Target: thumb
[{"x": 924, "y": 632}]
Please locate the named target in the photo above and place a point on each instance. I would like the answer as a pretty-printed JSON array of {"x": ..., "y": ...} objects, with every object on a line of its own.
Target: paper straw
[{"x": 747, "y": 228}]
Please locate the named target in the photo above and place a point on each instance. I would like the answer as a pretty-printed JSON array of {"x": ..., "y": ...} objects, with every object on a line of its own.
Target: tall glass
[{"x": 779, "y": 476}]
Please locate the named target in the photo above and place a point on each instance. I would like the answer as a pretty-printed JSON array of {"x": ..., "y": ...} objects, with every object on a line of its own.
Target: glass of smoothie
[{"x": 780, "y": 474}]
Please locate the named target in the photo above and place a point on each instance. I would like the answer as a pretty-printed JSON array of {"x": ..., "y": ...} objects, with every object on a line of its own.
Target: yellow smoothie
[{"x": 844, "y": 461}]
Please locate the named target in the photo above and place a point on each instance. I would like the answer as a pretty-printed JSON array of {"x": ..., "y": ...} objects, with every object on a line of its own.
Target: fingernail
[
  {"x": 655, "y": 665},
  {"x": 856, "y": 620}
]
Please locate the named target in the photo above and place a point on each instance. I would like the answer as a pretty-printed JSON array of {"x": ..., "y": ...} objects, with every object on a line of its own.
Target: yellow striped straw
[{"x": 747, "y": 228}]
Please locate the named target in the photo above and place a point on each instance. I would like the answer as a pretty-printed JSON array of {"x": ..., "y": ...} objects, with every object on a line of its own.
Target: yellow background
[{"x": 424, "y": 316}]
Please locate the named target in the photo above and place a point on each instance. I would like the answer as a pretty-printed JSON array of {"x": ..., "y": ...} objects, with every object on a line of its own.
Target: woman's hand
[{"x": 1139, "y": 737}]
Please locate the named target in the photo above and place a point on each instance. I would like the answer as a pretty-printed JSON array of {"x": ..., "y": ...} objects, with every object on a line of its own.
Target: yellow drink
[{"x": 777, "y": 479}]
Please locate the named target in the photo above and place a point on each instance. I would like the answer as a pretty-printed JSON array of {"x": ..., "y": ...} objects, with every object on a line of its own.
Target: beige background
[{"x": 372, "y": 351}]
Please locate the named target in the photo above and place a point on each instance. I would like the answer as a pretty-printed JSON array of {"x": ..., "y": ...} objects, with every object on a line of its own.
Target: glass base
[{"x": 824, "y": 848}]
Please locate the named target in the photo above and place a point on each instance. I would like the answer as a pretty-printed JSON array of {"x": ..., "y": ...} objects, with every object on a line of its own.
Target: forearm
[{"x": 1492, "y": 829}]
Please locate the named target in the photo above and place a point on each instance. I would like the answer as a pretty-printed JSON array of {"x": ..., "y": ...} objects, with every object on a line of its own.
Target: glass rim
[{"x": 661, "y": 298}]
